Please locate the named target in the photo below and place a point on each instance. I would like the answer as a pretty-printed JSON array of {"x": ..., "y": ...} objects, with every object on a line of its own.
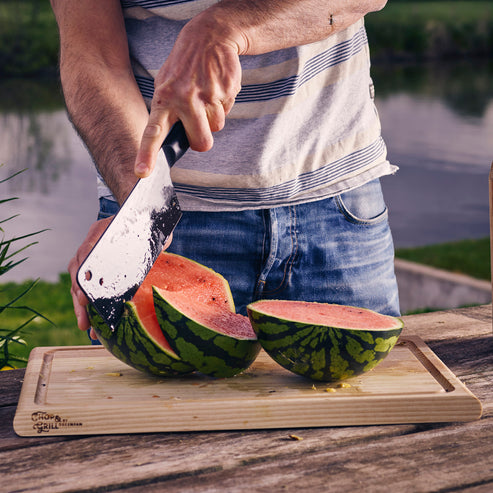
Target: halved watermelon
[
  {"x": 138, "y": 339},
  {"x": 323, "y": 341}
]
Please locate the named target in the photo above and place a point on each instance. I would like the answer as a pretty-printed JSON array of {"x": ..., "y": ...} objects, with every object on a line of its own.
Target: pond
[{"x": 437, "y": 120}]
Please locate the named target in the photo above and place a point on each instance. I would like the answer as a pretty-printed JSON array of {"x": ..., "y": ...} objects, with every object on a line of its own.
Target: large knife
[{"x": 120, "y": 260}]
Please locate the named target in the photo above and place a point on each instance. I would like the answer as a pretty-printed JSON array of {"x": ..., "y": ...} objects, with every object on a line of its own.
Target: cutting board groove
[{"x": 85, "y": 390}]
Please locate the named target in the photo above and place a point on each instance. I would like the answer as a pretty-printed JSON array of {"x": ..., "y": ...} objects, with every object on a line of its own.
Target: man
[{"x": 286, "y": 203}]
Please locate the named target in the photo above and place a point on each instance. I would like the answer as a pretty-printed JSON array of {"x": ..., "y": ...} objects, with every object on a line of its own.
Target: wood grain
[
  {"x": 81, "y": 390},
  {"x": 427, "y": 457}
]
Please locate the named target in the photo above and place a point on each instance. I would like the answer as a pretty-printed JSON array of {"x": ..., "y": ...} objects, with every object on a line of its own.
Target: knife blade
[{"x": 118, "y": 263}]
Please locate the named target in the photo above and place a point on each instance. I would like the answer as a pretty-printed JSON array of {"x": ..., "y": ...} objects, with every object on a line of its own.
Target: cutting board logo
[{"x": 44, "y": 422}]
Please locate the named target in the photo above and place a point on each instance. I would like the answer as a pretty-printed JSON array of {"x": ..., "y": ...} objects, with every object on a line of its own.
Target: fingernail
[{"x": 141, "y": 168}]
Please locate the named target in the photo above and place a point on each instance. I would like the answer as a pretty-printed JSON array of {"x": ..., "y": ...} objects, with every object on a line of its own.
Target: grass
[
  {"x": 54, "y": 301},
  {"x": 22, "y": 322},
  {"x": 471, "y": 257}
]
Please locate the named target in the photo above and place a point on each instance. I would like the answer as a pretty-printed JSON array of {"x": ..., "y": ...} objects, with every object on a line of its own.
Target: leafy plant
[{"x": 13, "y": 349}]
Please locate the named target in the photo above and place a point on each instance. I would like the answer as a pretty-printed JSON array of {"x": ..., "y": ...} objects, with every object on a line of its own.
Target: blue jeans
[{"x": 337, "y": 250}]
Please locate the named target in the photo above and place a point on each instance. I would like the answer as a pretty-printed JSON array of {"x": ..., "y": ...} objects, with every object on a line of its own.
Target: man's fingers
[
  {"x": 80, "y": 311},
  {"x": 197, "y": 126},
  {"x": 79, "y": 299},
  {"x": 158, "y": 126},
  {"x": 152, "y": 139}
]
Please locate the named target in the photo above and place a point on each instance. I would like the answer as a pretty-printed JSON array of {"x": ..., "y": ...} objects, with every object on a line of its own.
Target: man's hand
[
  {"x": 197, "y": 84},
  {"x": 199, "y": 81},
  {"x": 79, "y": 299}
]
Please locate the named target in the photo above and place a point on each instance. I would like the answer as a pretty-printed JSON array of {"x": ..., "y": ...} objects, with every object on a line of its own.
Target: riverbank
[
  {"x": 403, "y": 30},
  {"x": 28, "y": 38},
  {"x": 430, "y": 30}
]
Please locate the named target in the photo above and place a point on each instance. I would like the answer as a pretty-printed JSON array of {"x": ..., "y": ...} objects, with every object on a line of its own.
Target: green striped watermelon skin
[
  {"x": 208, "y": 351},
  {"x": 130, "y": 343},
  {"x": 319, "y": 352}
]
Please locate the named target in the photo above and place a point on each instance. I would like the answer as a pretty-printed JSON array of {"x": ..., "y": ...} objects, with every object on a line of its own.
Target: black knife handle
[{"x": 176, "y": 143}]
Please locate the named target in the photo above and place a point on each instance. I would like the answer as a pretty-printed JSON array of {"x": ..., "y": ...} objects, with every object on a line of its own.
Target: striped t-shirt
[{"x": 304, "y": 125}]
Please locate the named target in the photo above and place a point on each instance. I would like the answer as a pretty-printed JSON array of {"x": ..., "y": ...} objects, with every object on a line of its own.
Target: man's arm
[
  {"x": 200, "y": 79},
  {"x": 104, "y": 104},
  {"x": 102, "y": 97},
  {"x": 260, "y": 26}
]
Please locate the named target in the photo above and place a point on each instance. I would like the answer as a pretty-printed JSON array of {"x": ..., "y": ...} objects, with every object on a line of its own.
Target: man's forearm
[
  {"x": 101, "y": 95},
  {"x": 266, "y": 25},
  {"x": 111, "y": 130}
]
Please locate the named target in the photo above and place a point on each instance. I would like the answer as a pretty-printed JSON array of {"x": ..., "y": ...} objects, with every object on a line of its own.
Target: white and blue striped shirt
[{"x": 304, "y": 126}]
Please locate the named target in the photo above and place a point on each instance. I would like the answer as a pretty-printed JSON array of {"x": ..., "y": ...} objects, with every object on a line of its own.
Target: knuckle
[{"x": 152, "y": 130}]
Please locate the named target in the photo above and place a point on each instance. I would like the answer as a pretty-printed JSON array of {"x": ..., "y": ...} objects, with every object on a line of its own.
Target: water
[
  {"x": 438, "y": 125},
  {"x": 437, "y": 121}
]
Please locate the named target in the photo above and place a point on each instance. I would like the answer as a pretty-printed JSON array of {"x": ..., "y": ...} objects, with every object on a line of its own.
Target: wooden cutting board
[{"x": 85, "y": 390}]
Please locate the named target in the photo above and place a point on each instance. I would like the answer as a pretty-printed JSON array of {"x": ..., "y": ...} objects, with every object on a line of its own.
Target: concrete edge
[
  {"x": 424, "y": 287},
  {"x": 444, "y": 275}
]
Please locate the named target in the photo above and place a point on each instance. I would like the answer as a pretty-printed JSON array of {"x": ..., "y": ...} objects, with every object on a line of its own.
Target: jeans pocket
[{"x": 363, "y": 205}]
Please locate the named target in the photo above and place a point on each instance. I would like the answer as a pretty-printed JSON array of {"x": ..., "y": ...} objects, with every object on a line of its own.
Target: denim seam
[
  {"x": 265, "y": 256},
  {"x": 294, "y": 251},
  {"x": 357, "y": 220}
]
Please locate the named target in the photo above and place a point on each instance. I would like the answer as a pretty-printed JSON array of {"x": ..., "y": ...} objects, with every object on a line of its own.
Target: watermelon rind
[
  {"x": 321, "y": 352},
  {"x": 210, "y": 352},
  {"x": 130, "y": 343}
]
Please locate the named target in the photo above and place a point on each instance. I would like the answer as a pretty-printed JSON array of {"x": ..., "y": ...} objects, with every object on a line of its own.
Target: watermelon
[
  {"x": 138, "y": 339},
  {"x": 322, "y": 341},
  {"x": 206, "y": 333}
]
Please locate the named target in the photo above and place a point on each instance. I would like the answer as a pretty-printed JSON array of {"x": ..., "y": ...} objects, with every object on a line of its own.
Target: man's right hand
[
  {"x": 197, "y": 84},
  {"x": 79, "y": 299}
]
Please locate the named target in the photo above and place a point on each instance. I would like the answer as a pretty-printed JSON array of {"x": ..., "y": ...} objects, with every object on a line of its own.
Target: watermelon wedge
[{"x": 205, "y": 333}]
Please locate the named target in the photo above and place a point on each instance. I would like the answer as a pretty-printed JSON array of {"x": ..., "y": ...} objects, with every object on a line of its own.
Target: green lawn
[
  {"x": 53, "y": 301},
  {"x": 471, "y": 257}
]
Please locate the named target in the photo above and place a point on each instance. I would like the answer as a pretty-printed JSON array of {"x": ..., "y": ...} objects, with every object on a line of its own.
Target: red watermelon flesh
[
  {"x": 206, "y": 313},
  {"x": 186, "y": 279},
  {"x": 330, "y": 315}
]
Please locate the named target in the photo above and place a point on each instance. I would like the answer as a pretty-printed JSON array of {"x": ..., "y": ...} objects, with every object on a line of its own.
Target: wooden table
[{"x": 426, "y": 457}]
